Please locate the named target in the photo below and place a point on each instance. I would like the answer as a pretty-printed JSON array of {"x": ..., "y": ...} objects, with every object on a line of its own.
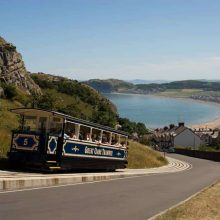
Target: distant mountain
[
  {"x": 114, "y": 85},
  {"x": 142, "y": 81},
  {"x": 209, "y": 80},
  {"x": 109, "y": 85}
]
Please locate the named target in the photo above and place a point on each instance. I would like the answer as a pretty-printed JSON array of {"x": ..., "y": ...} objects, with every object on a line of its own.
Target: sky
[{"x": 123, "y": 39}]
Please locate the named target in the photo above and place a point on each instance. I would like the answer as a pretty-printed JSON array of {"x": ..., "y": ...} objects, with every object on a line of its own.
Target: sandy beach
[{"x": 215, "y": 123}]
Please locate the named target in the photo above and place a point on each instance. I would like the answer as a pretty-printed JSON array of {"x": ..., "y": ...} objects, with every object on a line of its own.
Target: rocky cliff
[{"x": 13, "y": 71}]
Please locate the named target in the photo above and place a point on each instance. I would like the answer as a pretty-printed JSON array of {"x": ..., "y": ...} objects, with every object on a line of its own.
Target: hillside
[
  {"x": 74, "y": 98},
  {"x": 8, "y": 121}
]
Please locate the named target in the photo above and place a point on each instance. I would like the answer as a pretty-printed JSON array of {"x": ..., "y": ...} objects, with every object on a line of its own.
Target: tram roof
[{"x": 30, "y": 111}]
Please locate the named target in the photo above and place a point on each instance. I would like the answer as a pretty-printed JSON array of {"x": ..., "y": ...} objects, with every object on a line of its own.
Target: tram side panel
[{"x": 81, "y": 155}]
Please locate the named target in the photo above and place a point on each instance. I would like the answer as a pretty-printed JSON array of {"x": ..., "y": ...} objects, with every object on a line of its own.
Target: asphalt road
[{"x": 132, "y": 198}]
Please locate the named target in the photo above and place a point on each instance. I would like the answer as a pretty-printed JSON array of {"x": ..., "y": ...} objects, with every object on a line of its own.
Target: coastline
[
  {"x": 215, "y": 123},
  {"x": 212, "y": 123}
]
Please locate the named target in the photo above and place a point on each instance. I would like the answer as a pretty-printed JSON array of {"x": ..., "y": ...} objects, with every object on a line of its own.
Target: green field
[
  {"x": 180, "y": 93},
  {"x": 187, "y": 93}
]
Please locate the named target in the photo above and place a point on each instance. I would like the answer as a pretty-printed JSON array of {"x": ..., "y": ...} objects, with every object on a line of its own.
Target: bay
[{"x": 156, "y": 111}]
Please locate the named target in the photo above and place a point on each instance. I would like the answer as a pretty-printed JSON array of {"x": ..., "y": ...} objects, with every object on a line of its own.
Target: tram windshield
[{"x": 30, "y": 123}]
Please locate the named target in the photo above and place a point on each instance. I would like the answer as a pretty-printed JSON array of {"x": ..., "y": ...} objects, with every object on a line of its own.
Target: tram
[{"x": 49, "y": 140}]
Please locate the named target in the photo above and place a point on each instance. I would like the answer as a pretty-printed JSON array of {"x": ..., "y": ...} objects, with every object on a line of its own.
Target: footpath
[{"x": 11, "y": 181}]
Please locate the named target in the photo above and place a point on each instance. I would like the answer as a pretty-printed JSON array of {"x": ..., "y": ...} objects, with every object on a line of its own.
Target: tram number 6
[{"x": 25, "y": 142}]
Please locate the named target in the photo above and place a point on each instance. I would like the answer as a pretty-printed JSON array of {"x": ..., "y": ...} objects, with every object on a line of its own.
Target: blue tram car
[{"x": 49, "y": 140}]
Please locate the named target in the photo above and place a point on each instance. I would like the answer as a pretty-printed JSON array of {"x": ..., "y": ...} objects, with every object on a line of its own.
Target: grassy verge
[
  {"x": 205, "y": 205},
  {"x": 140, "y": 156}
]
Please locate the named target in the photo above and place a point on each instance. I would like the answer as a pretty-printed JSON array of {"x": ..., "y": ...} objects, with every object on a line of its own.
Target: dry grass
[
  {"x": 140, "y": 156},
  {"x": 5, "y": 137},
  {"x": 8, "y": 121},
  {"x": 205, "y": 205}
]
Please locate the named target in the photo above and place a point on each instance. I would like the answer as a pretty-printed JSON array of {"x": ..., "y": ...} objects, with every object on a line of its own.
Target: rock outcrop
[{"x": 13, "y": 71}]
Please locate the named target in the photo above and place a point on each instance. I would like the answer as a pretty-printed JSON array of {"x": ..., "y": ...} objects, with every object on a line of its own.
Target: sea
[{"x": 157, "y": 111}]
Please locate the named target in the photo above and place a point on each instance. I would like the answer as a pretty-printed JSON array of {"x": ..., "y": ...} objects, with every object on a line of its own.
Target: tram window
[
  {"x": 85, "y": 133},
  {"x": 72, "y": 130},
  {"x": 106, "y": 137},
  {"x": 96, "y": 135},
  {"x": 115, "y": 139},
  {"x": 30, "y": 123},
  {"x": 56, "y": 126},
  {"x": 123, "y": 141}
]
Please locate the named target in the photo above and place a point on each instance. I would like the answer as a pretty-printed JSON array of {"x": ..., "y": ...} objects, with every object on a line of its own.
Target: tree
[{"x": 46, "y": 101}]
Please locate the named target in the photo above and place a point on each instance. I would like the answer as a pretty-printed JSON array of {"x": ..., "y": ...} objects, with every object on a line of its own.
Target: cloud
[{"x": 215, "y": 58}]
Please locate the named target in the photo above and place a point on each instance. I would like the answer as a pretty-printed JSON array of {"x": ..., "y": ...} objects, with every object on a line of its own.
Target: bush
[
  {"x": 9, "y": 91},
  {"x": 46, "y": 101},
  {"x": 133, "y": 127}
]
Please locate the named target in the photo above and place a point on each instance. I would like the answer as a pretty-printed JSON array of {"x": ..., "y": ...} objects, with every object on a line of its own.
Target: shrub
[
  {"x": 9, "y": 91},
  {"x": 46, "y": 101}
]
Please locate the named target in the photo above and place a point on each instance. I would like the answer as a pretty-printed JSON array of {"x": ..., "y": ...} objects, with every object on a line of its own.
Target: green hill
[
  {"x": 74, "y": 98},
  {"x": 109, "y": 85}
]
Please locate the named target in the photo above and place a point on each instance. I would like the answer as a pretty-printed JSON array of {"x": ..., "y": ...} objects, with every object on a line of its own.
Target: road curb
[
  {"x": 38, "y": 182},
  {"x": 182, "y": 202},
  {"x": 11, "y": 182}
]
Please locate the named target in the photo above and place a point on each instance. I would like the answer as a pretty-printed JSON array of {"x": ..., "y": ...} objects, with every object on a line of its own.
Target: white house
[
  {"x": 185, "y": 137},
  {"x": 174, "y": 136}
]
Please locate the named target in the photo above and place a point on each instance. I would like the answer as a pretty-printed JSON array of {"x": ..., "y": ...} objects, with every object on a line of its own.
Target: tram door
[
  {"x": 42, "y": 127},
  {"x": 59, "y": 149},
  {"x": 60, "y": 142}
]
